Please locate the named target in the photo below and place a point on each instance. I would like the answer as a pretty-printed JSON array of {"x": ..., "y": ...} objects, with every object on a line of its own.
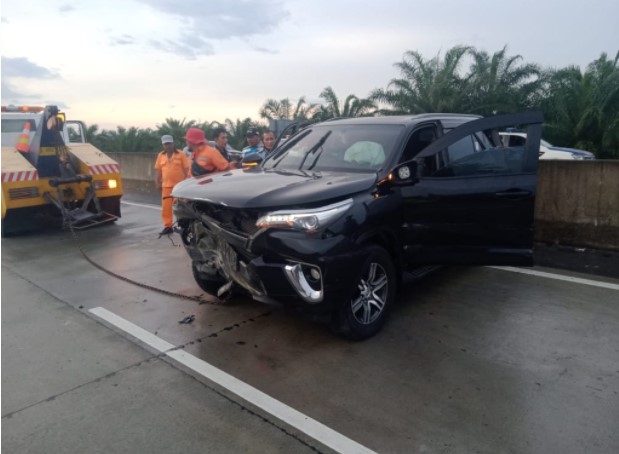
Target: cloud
[
  {"x": 217, "y": 21},
  {"x": 266, "y": 50},
  {"x": 66, "y": 8},
  {"x": 11, "y": 96},
  {"x": 5, "y": 20},
  {"x": 123, "y": 40},
  {"x": 22, "y": 67},
  {"x": 188, "y": 46}
]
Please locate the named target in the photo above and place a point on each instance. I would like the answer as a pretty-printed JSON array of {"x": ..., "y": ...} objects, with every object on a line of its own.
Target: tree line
[{"x": 581, "y": 107}]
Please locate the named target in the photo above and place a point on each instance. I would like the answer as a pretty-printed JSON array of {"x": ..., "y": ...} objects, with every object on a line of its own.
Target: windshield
[
  {"x": 363, "y": 148},
  {"x": 545, "y": 144},
  {"x": 17, "y": 125}
]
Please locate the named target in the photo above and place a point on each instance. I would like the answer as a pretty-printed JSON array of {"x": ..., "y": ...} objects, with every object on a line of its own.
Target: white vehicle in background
[{"x": 546, "y": 150}]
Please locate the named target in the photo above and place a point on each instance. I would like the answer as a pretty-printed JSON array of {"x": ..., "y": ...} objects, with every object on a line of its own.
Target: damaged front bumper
[{"x": 288, "y": 268}]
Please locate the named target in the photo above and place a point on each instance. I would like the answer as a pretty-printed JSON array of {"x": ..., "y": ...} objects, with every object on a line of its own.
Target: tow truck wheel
[
  {"x": 365, "y": 312},
  {"x": 210, "y": 283}
]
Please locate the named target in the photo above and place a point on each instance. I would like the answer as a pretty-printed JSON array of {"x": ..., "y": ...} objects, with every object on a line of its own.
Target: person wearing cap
[
  {"x": 172, "y": 166},
  {"x": 253, "y": 142},
  {"x": 206, "y": 159}
]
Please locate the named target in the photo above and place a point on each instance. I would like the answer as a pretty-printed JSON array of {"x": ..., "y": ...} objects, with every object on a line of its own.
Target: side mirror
[
  {"x": 61, "y": 120},
  {"x": 252, "y": 160},
  {"x": 404, "y": 174}
]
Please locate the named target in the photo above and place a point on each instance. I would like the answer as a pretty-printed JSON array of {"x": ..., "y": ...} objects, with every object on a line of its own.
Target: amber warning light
[{"x": 22, "y": 109}]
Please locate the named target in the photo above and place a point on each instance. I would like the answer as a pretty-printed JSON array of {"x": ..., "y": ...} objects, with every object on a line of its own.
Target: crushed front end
[{"x": 287, "y": 267}]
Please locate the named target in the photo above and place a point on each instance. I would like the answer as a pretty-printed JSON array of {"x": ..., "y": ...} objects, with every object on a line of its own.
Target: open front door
[{"x": 473, "y": 199}]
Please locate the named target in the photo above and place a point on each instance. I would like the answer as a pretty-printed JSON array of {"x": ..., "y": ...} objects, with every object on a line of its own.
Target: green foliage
[
  {"x": 129, "y": 140},
  {"x": 352, "y": 106},
  {"x": 581, "y": 108},
  {"x": 432, "y": 85},
  {"x": 237, "y": 131},
  {"x": 284, "y": 110},
  {"x": 497, "y": 84},
  {"x": 492, "y": 84},
  {"x": 177, "y": 129}
]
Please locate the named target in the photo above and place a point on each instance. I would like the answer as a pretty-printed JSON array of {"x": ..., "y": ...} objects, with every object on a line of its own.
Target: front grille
[
  {"x": 23, "y": 193},
  {"x": 236, "y": 220}
]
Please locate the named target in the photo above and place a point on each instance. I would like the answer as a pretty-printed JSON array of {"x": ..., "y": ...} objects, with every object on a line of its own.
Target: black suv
[{"x": 331, "y": 220}]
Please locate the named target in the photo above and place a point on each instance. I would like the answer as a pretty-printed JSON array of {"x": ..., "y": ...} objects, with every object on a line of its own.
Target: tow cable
[{"x": 198, "y": 299}]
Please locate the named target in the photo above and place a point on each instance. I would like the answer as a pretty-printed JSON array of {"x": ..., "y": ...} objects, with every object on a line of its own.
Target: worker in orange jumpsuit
[
  {"x": 206, "y": 159},
  {"x": 172, "y": 167}
]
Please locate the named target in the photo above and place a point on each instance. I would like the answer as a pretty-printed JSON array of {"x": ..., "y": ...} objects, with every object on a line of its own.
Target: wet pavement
[{"x": 472, "y": 359}]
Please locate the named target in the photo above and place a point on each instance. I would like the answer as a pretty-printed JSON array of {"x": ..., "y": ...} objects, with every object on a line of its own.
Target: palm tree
[
  {"x": 582, "y": 109},
  {"x": 90, "y": 132},
  {"x": 433, "y": 85},
  {"x": 284, "y": 109},
  {"x": 498, "y": 83},
  {"x": 130, "y": 140},
  {"x": 237, "y": 131},
  {"x": 352, "y": 106},
  {"x": 176, "y": 128}
]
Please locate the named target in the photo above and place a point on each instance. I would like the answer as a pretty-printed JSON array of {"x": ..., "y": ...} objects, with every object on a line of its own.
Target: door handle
[{"x": 513, "y": 194}]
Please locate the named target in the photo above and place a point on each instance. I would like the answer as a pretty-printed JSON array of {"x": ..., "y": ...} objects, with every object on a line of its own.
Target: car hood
[{"x": 258, "y": 188}]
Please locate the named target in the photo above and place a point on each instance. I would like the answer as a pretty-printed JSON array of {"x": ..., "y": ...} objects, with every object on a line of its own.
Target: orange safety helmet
[{"x": 195, "y": 135}]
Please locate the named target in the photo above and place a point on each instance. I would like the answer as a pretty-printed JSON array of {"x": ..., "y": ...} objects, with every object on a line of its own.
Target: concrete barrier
[{"x": 577, "y": 201}]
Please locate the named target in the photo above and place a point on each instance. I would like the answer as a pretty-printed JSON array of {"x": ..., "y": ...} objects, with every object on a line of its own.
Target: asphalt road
[{"x": 472, "y": 359}]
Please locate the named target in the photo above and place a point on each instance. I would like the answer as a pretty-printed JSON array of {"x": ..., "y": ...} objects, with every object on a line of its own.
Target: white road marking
[
  {"x": 143, "y": 205},
  {"x": 560, "y": 277},
  {"x": 283, "y": 412}
]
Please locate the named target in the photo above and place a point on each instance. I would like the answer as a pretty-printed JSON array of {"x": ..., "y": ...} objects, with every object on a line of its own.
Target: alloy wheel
[{"x": 369, "y": 302}]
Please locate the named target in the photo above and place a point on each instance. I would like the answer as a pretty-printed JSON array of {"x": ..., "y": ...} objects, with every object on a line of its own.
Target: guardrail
[{"x": 577, "y": 201}]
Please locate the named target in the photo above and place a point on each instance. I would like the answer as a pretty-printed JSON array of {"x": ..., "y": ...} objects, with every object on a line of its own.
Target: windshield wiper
[
  {"x": 280, "y": 156},
  {"x": 319, "y": 144}
]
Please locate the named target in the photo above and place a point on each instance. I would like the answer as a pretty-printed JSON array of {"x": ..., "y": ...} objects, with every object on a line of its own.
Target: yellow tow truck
[{"x": 50, "y": 173}]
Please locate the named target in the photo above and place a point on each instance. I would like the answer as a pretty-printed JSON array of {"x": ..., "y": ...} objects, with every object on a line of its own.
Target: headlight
[
  {"x": 578, "y": 156},
  {"x": 308, "y": 220}
]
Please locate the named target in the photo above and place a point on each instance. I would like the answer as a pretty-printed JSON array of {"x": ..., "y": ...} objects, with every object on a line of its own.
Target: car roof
[{"x": 448, "y": 119}]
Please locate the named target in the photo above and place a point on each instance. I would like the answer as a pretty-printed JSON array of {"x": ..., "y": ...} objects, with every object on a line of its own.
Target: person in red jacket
[{"x": 206, "y": 159}]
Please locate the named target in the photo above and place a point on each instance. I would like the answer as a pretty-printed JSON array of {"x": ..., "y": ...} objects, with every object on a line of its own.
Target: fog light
[
  {"x": 112, "y": 184},
  {"x": 315, "y": 274}
]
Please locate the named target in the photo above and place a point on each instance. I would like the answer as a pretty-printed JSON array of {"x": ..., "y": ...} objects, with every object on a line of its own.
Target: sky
[{"x": 139, "y": 62}]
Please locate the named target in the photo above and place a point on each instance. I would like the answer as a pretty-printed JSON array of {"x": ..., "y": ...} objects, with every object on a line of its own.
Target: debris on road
[{"x": 188, "y": 319}]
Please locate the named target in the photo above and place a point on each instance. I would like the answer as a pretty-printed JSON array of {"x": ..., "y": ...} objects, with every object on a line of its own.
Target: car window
[
  {"x": 364, "y": 148},
  {"x": 419, "y": 139},
  {"x": 517, "y": 141},
  {"x": 492, "y": 161},
  {"x": 15, "y": 125},
  {"x": 365, "y": 151},
  {"x": 461, "y": 148}
]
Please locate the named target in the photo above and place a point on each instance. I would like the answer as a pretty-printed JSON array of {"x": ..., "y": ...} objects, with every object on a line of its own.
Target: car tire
[
  {"x": 210, "y": 283},
  {"x": 363, "y": 314}
]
